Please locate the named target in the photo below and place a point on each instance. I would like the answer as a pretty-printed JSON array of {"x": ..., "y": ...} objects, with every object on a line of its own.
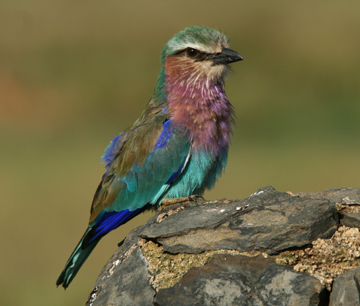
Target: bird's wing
[{"x": 150, "y": 156}]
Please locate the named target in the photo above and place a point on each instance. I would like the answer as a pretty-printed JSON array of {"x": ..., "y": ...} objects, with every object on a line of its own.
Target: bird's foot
[{"x": 170, "y": 201}]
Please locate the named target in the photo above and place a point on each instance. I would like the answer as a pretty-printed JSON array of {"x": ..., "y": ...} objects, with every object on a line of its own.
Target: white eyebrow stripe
[{"x": 198, "y": 46}]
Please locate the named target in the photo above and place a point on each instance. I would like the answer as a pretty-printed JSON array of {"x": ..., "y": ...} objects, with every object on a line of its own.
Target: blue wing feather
[
  {"x": 108, "y": 221},
  {"x": 164, "y": 136},
  {"x": 111, "y": 151}
]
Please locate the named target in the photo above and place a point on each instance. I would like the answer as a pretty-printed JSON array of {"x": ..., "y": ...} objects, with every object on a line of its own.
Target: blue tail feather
[
  {"x": 105, "y": 223},
  {"x": 75, "y": 262}
]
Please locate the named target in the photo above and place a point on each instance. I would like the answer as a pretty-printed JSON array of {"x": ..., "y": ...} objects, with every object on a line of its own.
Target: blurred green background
[{"x": 73, "y": 74}]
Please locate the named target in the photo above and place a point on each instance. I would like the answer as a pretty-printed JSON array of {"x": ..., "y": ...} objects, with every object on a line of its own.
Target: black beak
[{"x": 226, "y": 56}]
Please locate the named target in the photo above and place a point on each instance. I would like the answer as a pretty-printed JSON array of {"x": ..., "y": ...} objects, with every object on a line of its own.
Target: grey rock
[
  {"x": 127, "y": 244},
  {"x": 272, "y": 222},
  {"x": 345, "y": 196},
  {"x": 124, "y": 284},
  {"x": 242, "y": 280},
  {"x": 350, "y": 219},
  {"x": 346, "y": 289}
]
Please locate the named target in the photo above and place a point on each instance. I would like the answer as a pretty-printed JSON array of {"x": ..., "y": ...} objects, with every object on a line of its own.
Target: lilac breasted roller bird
[{"x": 177, "y": 148}]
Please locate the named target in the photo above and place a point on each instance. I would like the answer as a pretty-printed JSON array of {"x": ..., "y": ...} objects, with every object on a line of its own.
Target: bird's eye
[{"x": 190, "y": 52}]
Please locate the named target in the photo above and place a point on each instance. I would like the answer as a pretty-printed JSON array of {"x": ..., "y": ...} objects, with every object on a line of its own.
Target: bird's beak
[{"x": 226, "y": 56}]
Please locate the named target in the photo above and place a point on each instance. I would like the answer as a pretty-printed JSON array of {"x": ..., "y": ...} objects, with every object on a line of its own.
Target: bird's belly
[{"x": 201, "y": 173}]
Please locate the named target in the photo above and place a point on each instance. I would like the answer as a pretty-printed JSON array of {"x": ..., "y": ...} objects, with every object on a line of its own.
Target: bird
[{"x": 177, "y": 148}]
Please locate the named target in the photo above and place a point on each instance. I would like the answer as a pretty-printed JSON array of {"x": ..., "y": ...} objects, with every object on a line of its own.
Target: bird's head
[
  {"x": 197, "y": 53},
  {"x": 196, "y": 57}
]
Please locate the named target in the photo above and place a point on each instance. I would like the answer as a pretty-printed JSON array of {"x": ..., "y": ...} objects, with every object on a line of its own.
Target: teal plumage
[{"x": 178, "y": 146}]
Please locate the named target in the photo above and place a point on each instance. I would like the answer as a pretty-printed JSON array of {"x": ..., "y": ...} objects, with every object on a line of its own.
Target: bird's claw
[
  {"x": 170, "y": 201},
  {"x": 194, "y": 197}
]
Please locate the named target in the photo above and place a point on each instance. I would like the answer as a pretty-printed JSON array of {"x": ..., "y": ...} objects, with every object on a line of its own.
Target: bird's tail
[{"x": 75, "y": 261}]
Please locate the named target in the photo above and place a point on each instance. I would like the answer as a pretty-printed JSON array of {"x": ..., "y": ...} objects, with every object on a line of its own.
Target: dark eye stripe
[{"x": 194, "y": 54}]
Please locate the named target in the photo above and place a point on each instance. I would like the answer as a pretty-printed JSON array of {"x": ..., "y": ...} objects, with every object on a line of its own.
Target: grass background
[{"x": 73, "y": 74}]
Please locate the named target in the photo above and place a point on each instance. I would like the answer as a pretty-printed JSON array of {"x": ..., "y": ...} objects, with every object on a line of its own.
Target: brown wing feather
[{"x": 139, "y": 142}]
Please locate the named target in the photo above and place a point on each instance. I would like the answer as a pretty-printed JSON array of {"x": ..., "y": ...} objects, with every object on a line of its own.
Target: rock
[
  {"x": 346, "y": 289},
  {"x": 347, "y": 200},
  {"x": 119, "y": 282},
  {"x": 348, "y": 196},
  {"x": 271, "y": 222},
  {"x": 242, "y": 280},
  {"x": 222, "y": 252},
  {"x": 350, "y": 219}
]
